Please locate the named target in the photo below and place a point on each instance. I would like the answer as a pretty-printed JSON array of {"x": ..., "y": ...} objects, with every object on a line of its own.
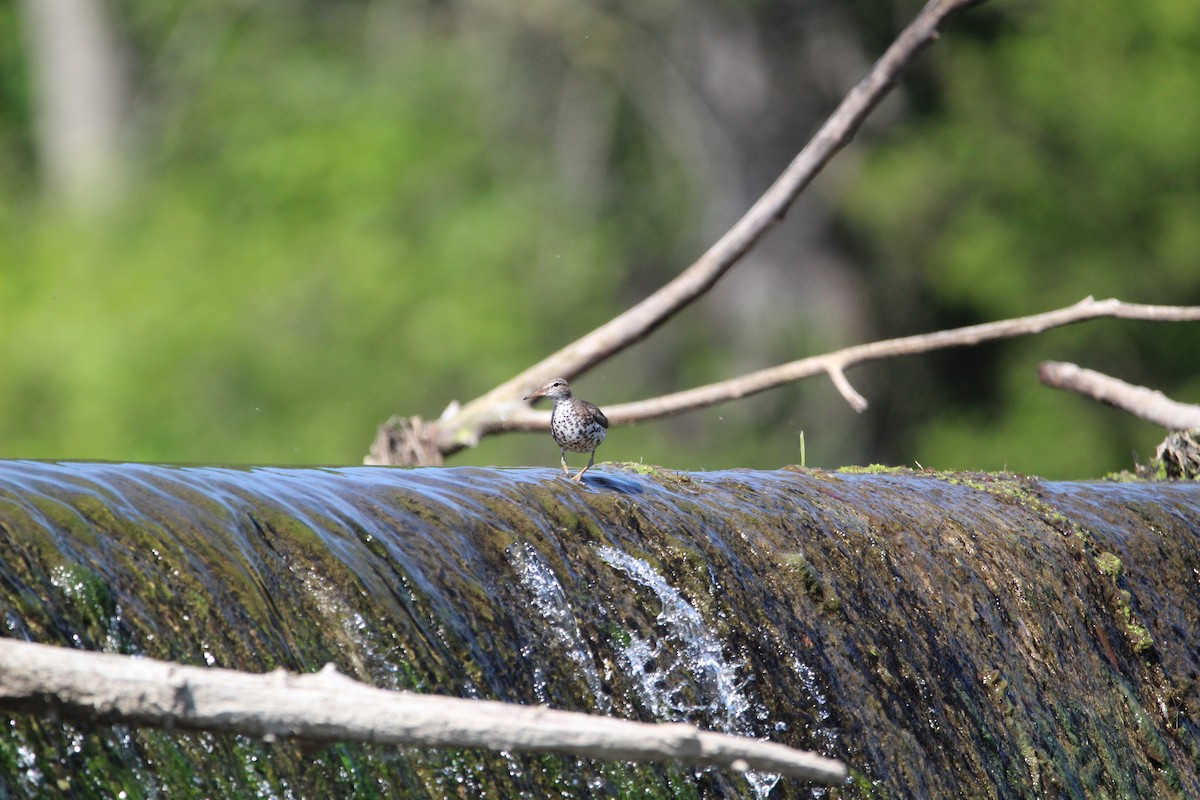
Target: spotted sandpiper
[{"x": 576, "y": 424}]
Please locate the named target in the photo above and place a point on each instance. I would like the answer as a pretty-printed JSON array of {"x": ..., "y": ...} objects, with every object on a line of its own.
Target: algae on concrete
[{"x": 944, "y": 634}]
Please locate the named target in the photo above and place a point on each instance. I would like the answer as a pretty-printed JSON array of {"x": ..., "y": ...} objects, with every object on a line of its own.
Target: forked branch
[{"x": 836, "y": 363}]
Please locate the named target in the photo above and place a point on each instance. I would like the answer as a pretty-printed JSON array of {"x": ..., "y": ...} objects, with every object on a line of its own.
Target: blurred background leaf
[
  {"x": 321, "y": 214},
  {"x": 1050, "y": 164}
]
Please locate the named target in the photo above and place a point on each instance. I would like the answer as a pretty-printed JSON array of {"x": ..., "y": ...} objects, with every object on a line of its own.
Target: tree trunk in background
[
  {"x": 754, "y": 92},
  {"x": 79, "y": 94}
]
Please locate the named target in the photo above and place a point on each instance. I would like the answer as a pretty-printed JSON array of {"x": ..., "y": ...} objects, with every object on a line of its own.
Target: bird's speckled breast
[{"x": 575, "y": 429}]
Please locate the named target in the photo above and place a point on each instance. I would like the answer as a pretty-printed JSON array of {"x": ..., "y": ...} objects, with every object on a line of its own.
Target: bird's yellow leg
[
  {"x": 566, "y": 470},
  {"x": 591, "y": 460}
]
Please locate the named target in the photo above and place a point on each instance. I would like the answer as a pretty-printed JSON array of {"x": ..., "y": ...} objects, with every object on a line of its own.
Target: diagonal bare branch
[{"x": 490, "y": 412}]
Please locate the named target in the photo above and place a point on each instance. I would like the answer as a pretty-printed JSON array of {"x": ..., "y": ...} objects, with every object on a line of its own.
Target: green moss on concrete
[
  {"x": 1108, "y": 564},
  {"x": 936, "y": 631},
  {"x": 876, "y": 469}
]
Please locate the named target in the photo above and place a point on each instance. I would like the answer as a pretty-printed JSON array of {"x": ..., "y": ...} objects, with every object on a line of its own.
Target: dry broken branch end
[
  {"x": 842, "y": 383},
  {"x": 1143, "y": 403}
]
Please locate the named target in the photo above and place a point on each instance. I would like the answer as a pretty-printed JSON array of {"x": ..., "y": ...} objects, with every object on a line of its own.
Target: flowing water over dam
[{"x": 944, "y": 636}]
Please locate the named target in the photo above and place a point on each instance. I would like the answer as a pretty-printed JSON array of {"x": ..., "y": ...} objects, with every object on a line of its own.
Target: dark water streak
[{"x": 973, "y": 636}]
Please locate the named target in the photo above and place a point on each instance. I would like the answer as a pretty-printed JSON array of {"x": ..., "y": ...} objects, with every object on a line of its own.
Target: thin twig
[
  {"x": 490, "y": 412},
  {"x": 1148, "y": 404},
  {"x": 834, "y": 364},
  {"x": 327, "y": 707},
  {"x": 848, "y": 392}
]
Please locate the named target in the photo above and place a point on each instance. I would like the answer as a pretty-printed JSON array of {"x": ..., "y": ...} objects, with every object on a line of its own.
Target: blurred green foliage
[
  {"x": 337, "y": 212},
  {"x": 319, "y": 239},
  {"x": 1058, "y": 159}
]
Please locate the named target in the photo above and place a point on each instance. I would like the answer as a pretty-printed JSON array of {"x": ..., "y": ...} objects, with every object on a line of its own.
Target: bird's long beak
[{"x": 534, "y": 395}]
